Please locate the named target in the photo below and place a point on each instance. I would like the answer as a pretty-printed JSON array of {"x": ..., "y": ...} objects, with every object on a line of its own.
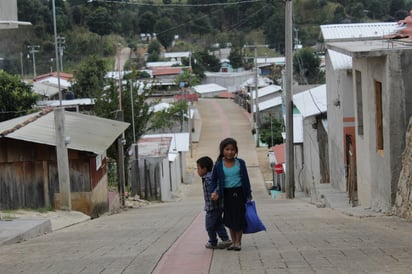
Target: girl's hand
[{"x": 214, "y": 196}]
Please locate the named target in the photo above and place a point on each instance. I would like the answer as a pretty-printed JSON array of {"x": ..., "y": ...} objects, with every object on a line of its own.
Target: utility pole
[
  {"x": 190, "y": 61},
  {"x": 32, "y": 50},
  {"x": 21, "y": 65},
  {"x": 132, "y": 105},
  {"x": 62, "y": 140},
  {"x": 255, "y": 101},
  {"x": 60, "y": 44},
  {"x": 135, "y": 180},
  {"x": 290, "y": 173},
  {"x": 120, "y": 139}
]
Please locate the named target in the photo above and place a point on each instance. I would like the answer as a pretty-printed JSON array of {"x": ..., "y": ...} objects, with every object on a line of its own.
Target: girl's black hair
[
  {"x": 205, "y": 162},
  {"x": 224, "y": 143}
]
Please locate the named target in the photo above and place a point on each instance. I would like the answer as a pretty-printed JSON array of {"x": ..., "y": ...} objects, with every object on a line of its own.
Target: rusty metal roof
[
  {"x": 166, "y": 71},
  {"x": 86, "y": 132},
  {"x": 154, "y": 146}
]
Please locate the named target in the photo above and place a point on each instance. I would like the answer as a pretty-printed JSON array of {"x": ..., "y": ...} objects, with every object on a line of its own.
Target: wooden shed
[{"x": 28, "y": 161}]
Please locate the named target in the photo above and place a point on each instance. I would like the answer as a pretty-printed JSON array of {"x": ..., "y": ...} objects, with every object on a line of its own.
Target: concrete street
[{"x": 170, "y": 237}]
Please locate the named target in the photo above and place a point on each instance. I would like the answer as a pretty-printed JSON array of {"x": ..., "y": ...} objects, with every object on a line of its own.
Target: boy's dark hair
[{"x": 205, "y": 162}]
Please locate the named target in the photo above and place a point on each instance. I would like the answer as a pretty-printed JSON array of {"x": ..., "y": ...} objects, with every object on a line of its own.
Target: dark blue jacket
[{"x": 218, "y": 179}]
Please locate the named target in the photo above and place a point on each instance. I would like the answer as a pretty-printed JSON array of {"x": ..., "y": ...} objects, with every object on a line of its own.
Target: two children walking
[{"x": 226, "y": 188}]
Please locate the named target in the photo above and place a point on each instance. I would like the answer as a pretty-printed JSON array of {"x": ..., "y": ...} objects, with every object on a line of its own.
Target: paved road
[{"x": 300, "y": 237}]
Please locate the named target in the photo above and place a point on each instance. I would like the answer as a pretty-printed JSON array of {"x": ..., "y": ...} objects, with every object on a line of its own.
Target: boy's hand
[{"x": 214, "y": 196}]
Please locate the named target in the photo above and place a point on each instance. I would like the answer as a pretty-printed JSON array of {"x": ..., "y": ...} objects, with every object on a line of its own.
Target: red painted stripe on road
[
  {"x": 224, "y": 118},
  {"x": 188, "y": 254}
]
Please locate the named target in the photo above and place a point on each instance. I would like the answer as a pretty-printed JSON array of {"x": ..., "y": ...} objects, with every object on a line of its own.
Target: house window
[
  {"x": 379, "y": 116},
  {"x": 359, "y": 102}
]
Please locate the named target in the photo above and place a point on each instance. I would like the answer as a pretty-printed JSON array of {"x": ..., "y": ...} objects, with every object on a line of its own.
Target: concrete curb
[{"x": 19, "y": 230}]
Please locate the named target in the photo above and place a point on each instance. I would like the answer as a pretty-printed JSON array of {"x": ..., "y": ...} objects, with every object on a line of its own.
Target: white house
[
  {"x": 162, "y": 164},
  {"x": 232, "y": 81},
  {"x": 314, "y": 167},
  {"x": 47, "y": 85},
  {"x": 368, "y": 111}
]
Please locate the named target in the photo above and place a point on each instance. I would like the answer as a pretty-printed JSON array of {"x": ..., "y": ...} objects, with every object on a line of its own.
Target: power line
[
  {"x": 245, "y": 20},
  {"x": 185, "y": 23},
  {"x": 176, "y": 4}
]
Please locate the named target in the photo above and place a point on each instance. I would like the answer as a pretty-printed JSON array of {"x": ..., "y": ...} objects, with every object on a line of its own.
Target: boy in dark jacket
[{"x": 214, "y": 209}]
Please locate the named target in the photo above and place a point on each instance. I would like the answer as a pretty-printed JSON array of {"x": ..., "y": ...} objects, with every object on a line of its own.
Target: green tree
[
  {"x": 339, "y": 15},
  {"x": 271, "y": 134},
  {"x": 107, "y": 106},
  {"x": 201, "y": 62},
  {"x": 154, "y": 51},
  {"x": 16, "y": 97},
  {"x": 161, "y": 121},
  {"x": 154, "y": 46},
  {"x": 187, "y": 79},
  {"x": 235, "y": 58},
  {"x": 306, "y": 65},
  {"x": 164, "y": 31},
  {"x": 146, "y": 22},
  {"x": 100, "y": 21},
  {"x": 274, "y": 31},
  {"x": 89, "y": 78},
  {"x": 201, "y": 24},
  {"x": 142, "y": 109},
  {"x": 356, "y": 11},
  {"x": 177, "y": 112},
  {"x": 171, "y": 117}
]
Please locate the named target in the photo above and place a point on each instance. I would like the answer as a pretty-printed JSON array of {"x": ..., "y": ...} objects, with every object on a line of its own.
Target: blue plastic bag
[{"x": 253, "y": 222}]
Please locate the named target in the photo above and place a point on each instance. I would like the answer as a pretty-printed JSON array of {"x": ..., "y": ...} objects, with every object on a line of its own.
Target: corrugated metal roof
[
  {"x": 262, "y": 82},
  {"x": 180, "y": 141},
  {"x": 44, "y": 77},
  {"x": 54, "y": 82},
  {"x": 312, "y": 101},
  {"x": 179, "y": 54},
  {"x": 114, "y": 74},
  {"x": 166, "y": 71},
  {"x": 86, "y": 132},
  {"x": 267, "y": 90},
  {"x": 44, "y": 89},
  {"x": 154, "y": 146},
  {"x": 356, "y": 31},
  {"x": 271, "y": 60},
  {"x": 74, "y": 102},
  {"x": 272, "y": 102},
  {"x": 163, "y": 64},
  {"x": 297, "y": 128},
  {"x": 160, "y": 107},
  {"x": 339, "y": 60},
  {"x": 209, "y": 88}
]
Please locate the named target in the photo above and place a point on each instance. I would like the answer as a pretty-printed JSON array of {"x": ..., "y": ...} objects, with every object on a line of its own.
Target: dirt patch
[{"x": 263, "y": 159}]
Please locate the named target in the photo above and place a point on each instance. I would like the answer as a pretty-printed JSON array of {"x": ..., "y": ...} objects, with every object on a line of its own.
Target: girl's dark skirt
[{"x": 234, "y": 208}]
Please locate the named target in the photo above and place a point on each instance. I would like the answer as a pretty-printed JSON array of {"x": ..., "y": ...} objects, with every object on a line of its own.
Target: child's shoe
[
  {"x": 210, "y": 245},
  {"x": 224, "y": 244}
]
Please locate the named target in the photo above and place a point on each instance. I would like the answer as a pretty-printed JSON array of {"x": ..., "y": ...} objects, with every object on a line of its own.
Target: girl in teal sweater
[{"x": 230, "y": 182}]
